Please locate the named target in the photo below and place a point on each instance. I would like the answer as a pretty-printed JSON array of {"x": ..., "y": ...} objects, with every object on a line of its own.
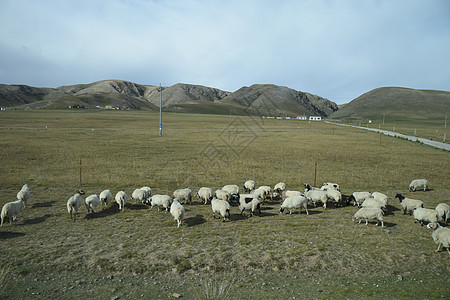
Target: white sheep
[
  {"x": 268, "y": 191},
  {"x": 233, "y": 190},
  {"x": 249, "y": 202},
  {"x": 317, "y": 196},
  {"x": 160, "y": 200},
  {"x": 418, "y": 184},
  {"x": 222, "y": 207},
  {"x": 408, "y": 204},
  {"x": 424, "y": 215},
  {"x": 294, "y": 202},
  {"x": 441, "y": 236},
  {"x": 121, "y": 198},
  {"x": 260, "y": 193},
  {"x": 369, "y": 213},
  {"x": 381, "y": 197},
  {"x": 205, "y": 194},
  {"x": 183, "y": 195},
  {"x": 249, "y": 185},
  {"x": 148, "y": 192},
  {"x": 330, "y": 186},
  {"x": 279, "y": 188},
  {"x": 105, "y": 197},
  {"x": 139, "y": 195},
  {"x": 372, "y": 202},
  {"x": 24, "y": 194},
  {"x": 359, "y": 197},
  {"x": 221, "y": 194},
  {"x": 74, "y": 203},
  {"x": 308, "y": 187},
  {"x": 177, "y": 211},
  {"x": 334, "y": 195},
  {"x": 91, "y": 202},
  {"x": 290, "y": 193},
  {"x": 443, "y": 211},
  {"x": 10, "y": 211}
]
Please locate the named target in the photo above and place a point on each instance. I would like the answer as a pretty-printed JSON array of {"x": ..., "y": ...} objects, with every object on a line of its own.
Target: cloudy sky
[{"x": 335, "y": 49}]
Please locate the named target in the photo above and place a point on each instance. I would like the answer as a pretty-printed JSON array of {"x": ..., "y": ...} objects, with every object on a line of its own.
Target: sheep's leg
[
  {"x": 306, "y": 208},
  {"x": 367, "y": 221},
  {"x": 439, "y": 248}
]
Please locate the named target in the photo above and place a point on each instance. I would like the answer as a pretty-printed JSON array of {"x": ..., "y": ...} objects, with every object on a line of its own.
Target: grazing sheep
[
  {"x": 443, "y": 211},
  {"x": 222, "y": 207},
  {"x": 183, "y": 195},
  {"x": 279, "y": 188},
  {"x": 160, "y": 200},
  {"x": 440, "y": 235},
  {"x": 267, "y": 191},
  {"x": 308, "y": 187},
  {"x": 139, "y": 195},
  {"x": 177, "y": 211},
  {"x": 74, "y": 203},
  {"x": 148, "y": 192},
  {"x": 91, "y": 203},
  {"x": 294, "y": 202},
  {"x": 249, "y": 202},
  {"x": 369, "y": 213},
  {"x": 334, "y": 195},
  {"x": 121, "y": 198},
  {"x": 260, "y": 193},
  {"x": 10, "y": 211},
  {"x": 24, "y": 194},
  {"x": 221, "y": 194},
  {"x": 381, "y": 197},
  {"x": 289, "y": 193},
  {"x": 205, "y": 194},
  {"x": 372, "y": 202},
  {"x": 408, "y": 204},
  {"x": 233, "y": 190},
  {"x": 418, "y": 184},
  {"x": 105, "y": 197},
  {"x": 359, "y": 197},
  {"x": 425, "y": 215},
  {"x": 317, "y": 196},
  {"x": 330, "y": 186},
  {"x": 249, "y": 185}
]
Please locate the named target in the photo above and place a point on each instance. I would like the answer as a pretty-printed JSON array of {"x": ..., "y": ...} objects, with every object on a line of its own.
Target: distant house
[
  {"x": 302, "y": 118},
  {"x": 315, "y": 118}
]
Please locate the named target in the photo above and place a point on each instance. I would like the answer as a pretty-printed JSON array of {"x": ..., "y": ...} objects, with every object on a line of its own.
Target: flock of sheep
[{"x": 371, "y": 205}]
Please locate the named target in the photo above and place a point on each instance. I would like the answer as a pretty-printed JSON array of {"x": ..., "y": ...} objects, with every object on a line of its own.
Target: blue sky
[{"x": 334, "y": 49}]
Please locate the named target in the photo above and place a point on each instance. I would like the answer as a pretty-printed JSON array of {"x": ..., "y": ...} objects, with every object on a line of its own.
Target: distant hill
[
  {"x": 396, "y": 101},
  {"x": 256, "y": 99}
]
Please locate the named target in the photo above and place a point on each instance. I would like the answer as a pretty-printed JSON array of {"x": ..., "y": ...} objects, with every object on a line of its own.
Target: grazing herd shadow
[
  {"x": 43, "y": 204},
  {"x": 194, "y": 221},
  {"x": 4, "y": 235},
  {"x": 36, "y": 220}
]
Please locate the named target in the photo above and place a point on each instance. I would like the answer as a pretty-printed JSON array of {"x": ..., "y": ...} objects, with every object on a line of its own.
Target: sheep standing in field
[
  {"x": 359, "y": 197},
  {"x": 91, "y": 203},
  {"x": 74, "y": 203},
  {"x": 249, "y": 186},
  {"x": 105, "y": 197},
  {"x": 221, "y": 194},
  {"x": 183, "y": 195},
  {"x": 289, "y": 193},
  {"x": 408, "y": 204},
  {"x": 334, "y": 195},
  {"x": 139, "y": 195},
  {"x": 121, "y": 198},
  {"x": 148, "y": 192},
  {"x": 233, "y": 190},
  {"x": 443, "y": 212},
  {"x": 425, "y": 215},
  {"x": 418, "y": 184},
  {"x": 160, "y": 200},
  {"x": 369, "y": 213},
  {"x": 308, "y": 187},
  {"x": 205, "y": 194},
  {"x": 440, "y": 235},
  {"x": 372, "y": 202},
  {"x": 278, "y": 189},
  {"x": 249, "y": 202},
  {"x": 24, "y": 194},
  {"x": 260, "y": 193},
  {"x": 317, "y": 196},
  {"x": 294, "y": 202},
  {"x": 177, "y": 211},
  {"x": 267, "y": 191},
  {"x": 221, "y": 207},
  {"x": 380, "y": 197},
  {"x": 330, "y": 186},
  {"x": 10, "y": 211}
]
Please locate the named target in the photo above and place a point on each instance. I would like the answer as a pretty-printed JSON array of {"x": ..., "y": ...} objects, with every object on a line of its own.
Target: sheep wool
[
  {"x": 24, "y": 194},
  {"x": 139, "y": 195},
  {"x": 105, "y": 197},
  {"x": 177, "y": 211},
  {"x": 183, "y": 195},
  {"x": 205, "y": 194},
  {"x": 294, "y": 202},
  {"x": 222, "y": 207},
  {"x": 424, "y": 215},
  {"x": 440, "y": 235},
  {"x": 369, "y": 213},
  {"x": 249, "y": 202},
  {"x": 249, "y": 185},
  {"x": 443, "y": 212},
  {"x": 10, "y": 211},
  {"x": 74, "y": 203},
  {"x": 408, "y": 204},
  {"x": 160, "y": 200},
  {"x": 418, "y": 184},
  {"x": 121, "y": 198},
  {"x": 91, "y": 203}
]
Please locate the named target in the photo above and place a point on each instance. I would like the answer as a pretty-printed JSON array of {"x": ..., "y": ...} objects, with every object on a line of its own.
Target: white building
[{"x": 315, "y": 118}]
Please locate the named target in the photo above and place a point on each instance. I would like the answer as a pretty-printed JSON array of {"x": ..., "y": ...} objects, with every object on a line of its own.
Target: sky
[{"x": 338, "y": 49}]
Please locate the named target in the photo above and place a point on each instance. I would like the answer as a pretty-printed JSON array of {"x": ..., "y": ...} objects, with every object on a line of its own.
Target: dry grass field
[{"x": 140, "y": 253}]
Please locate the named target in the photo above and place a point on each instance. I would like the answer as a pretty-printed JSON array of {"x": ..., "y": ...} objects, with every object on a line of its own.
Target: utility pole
[{"x": 160, "y": 110}]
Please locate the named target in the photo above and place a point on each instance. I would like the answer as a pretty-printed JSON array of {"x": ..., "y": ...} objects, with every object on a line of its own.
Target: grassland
[{"x": 141, "y": 254}]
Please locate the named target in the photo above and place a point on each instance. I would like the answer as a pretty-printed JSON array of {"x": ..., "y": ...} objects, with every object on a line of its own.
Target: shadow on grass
[
  {"x": 43, "y": 204},
  {"x": 135, "y": 206},
  {"x": 390, "y": 210},
  {"x": 36, "y": 220},
  {"x": 112, "y": 210},
  {"x": 10, "y": 235},
  {"x": 389, "y": 224},
  {"x": 193, "y": 221}
]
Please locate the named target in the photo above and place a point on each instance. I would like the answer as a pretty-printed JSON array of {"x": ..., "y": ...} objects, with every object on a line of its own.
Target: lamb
[
  {"x": 330, "y": 186},
  {"x": 74, "y": 203},
  {"x": 221, "y": 194},
  {"x": 294, "y": 202},
  {"x": 249, "y": 185},
  {"x": 443, "y": 212},
  {"x": 160, "y": 200},
  {"x": 279, "y": 188},
  {"x": 91, "y": 203},
  {"x": 222, "y": 207},
  {"x": 10, "y": 211},
  {"x": 441, "y": 236},
  {"x": 425, "y": 215},
  {"x": 408, "y": 204},
  {"x": 205, "y": 194},
  {"x": 381, "y": 197},
  {"x": 177, "y": 211},
  {"x": 372, "y": 202},
  {"x": 418, "y": 184},
  {"x": 121, "y": 198},
  {"x": 139, "y": 195},
  {"x": 369, "y": 213},
  {"x": 183, "y": 195},
  {"x": 233, "y": 190},
  {"x": 359, "y": 197},
  {"x": 105, "y": 197},
  {"x": 249, "y": 202},
  {"x": 334, "y": 195},
  {"x": 317, "y": 196},
  {"x": 24, "y": 194}
]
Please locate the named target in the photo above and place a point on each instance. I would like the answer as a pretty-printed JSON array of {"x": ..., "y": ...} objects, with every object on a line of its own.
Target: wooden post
[
  {"x": 80, "y": 173},
  {"x": 315, "y": 173}
]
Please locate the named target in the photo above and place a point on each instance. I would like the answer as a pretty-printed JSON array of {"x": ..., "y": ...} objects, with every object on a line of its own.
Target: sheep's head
[
  {"x": 400, "y": 197},
  {"x": 281, "y": 210},
  {"x": 433, "y": 225},
  {"x": 81, "y": 192}
]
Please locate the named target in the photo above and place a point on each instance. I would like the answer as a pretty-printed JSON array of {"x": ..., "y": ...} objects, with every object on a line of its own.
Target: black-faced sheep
[
  {"x": 233, "y": 190},
  {"x": 249, "y": 202},
  {"x": 408, "y": 204}
]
